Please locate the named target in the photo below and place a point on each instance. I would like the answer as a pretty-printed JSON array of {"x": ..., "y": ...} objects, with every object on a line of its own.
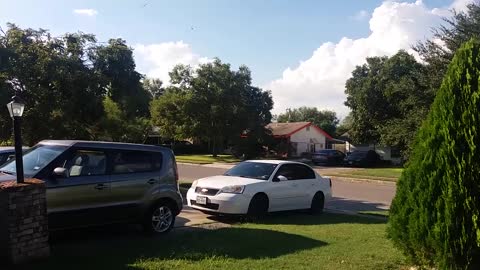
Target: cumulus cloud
[
  {"x": 320, "y": 80},
  {"x": 156, "y": 60},
  {"x": 360, "y": 16},
  {"x": 86, "y": 12}
]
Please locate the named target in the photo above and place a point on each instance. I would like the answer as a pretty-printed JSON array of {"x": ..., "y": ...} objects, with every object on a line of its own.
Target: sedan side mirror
[
  {"x": 280, "y": 178},
  {"x": 60, "y": 172}
]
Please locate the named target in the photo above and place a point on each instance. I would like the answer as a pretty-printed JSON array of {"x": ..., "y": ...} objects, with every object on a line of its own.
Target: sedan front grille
[{"x": 206, "y": 191}]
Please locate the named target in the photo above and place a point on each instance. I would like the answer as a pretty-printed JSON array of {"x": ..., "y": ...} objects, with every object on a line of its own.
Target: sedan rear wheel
[{"x": 318, "y": 203}]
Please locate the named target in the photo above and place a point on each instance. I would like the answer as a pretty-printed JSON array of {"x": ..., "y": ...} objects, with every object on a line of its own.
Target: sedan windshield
[
  {"x": 35, "y": 160},
  {"x": 256, "y": 170}
]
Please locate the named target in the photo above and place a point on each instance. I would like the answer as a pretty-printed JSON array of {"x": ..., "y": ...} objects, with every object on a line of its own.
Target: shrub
[{"x": 434, "y": 218}]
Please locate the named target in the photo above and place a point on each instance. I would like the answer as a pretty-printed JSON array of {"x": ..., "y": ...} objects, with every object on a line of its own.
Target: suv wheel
[{"x": 160, "y": 219}]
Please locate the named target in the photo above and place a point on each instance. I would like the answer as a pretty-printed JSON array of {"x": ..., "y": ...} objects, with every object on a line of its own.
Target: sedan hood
[
  {"x": 7, "y": 177},
  {"x": 221, "y": 181}
]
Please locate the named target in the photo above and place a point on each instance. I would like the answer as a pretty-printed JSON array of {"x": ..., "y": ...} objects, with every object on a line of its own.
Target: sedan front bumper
[{"x": 223, "y": 203}]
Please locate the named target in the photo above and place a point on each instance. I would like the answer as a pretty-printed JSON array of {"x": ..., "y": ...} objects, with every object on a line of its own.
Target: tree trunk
[{"x": 214, "y": 150}]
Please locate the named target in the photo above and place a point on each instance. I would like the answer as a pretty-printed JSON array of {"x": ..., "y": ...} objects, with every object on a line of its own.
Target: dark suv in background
[{"x": 91, "y": 183}]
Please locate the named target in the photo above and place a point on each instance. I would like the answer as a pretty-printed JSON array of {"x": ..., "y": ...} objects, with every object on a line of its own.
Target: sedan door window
[
  {"x": 287, "y": 170},
  {"x": 295, "y": 172}
]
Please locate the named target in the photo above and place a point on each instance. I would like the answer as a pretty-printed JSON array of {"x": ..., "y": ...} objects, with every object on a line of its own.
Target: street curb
[
  {"x": 353, "y": 213},
  {"x": 210, "y": 165},
  {"x": 361, "y": 180}
]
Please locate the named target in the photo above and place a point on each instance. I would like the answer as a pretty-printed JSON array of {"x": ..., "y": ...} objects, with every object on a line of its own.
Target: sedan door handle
[
  {"x": 152, "y": 181},
  {"x": 101, "y": 186}
]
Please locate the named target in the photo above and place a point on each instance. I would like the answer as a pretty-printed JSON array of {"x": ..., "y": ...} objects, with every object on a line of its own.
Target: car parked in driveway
[
  {"x": 368, "y": 158},
  {"x": 259, "y": 186},
  {"x": 91, "y": 183},
  {"x": 328, "y": 157},
  {"x": 7, "y": 153}
]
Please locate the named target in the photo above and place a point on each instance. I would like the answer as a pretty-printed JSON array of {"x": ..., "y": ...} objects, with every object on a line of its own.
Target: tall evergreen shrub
[{"x": 435, "y": 215}]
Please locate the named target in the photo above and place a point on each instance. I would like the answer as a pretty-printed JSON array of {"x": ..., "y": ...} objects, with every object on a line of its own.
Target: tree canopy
[
  {"x": 325, "y": 119},
  {"x": 389, "y": 98},
  {"x": 212, "y": 103},
  {"x": 65, "y": 81}
]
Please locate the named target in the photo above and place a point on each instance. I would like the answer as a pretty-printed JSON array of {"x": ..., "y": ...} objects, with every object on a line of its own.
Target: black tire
[
  {"x": 160, "y": 218},
  {"x": 258, "y": 207},
  {"x": 318, "y": 203}
]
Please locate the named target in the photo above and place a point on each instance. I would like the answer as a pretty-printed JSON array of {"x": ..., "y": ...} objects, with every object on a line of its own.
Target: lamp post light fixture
[{"x": 15, "y": 108}]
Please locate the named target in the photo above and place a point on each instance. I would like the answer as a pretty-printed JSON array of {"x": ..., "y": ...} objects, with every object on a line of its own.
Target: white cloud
[
  {"x": 156, "y": 60},
  {"x": 320, "y": 80},
  {"x": 360, "y": 16},
  {"x": 86, "y": 12}
]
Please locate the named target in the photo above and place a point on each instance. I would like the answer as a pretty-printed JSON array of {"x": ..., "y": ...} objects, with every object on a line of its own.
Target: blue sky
[{"x": 268, "y": 36}]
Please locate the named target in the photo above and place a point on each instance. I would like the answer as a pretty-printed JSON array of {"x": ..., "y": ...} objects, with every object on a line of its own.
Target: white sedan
[{"x": 259, "y": 186}]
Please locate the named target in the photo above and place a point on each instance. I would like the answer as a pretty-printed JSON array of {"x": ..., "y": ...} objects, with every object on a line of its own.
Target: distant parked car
[
  {"x": 328, "y": 157},
  {"x": 368, "y": 158},
  {"x": 8, "y": 153},
  {"x": 256, "y": 187},
  {"x": 91, "y": 183}
]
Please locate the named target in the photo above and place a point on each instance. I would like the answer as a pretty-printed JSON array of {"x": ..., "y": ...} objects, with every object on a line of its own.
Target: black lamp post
[{"x": 15, "y": 108}]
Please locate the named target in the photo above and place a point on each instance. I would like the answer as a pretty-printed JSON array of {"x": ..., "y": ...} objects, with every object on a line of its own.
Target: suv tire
[{"x": 160, "y": 219}]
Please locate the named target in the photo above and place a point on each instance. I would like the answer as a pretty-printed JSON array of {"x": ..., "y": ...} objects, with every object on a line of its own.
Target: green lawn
[
  {"x": 375, "y": 213},
  {"x": 206, "y": 159},
  {"x": 386, "y": 174},
  {"x": 284, "y": 241}
]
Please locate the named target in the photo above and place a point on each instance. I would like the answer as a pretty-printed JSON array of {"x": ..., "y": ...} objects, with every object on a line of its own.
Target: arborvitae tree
[{"x": 435, "y": 215}]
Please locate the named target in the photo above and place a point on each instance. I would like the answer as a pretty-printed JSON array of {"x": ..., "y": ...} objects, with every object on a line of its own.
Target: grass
[
  {"x": 375, "y": 213},
  {"x": 206, "y": 159},
  {"x": 385, "y": 174},
  {"x": 282, "y": 241}
]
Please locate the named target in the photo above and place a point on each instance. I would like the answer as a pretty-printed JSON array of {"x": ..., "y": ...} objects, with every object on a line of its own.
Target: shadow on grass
[
  {"x": 300, "y": 218},
  {"x": 116, "y": 247}
]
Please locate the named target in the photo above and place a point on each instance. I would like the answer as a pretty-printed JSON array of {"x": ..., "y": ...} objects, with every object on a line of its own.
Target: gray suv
[{"x": 91, "y": 183}]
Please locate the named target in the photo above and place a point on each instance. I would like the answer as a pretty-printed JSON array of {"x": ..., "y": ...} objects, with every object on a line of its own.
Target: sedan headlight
[
  {"x": 233, "y": 189},
  {"x": 194, "y": 184}
]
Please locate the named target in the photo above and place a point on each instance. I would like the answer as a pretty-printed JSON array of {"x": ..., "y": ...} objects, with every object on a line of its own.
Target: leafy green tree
[
  {"x": 438, "y": 51},
  {"x": 116, "y": 64},
  {"x": 389, "y": 98},
  {"x": 63, "y": 96},
  {"x": 345, "y": 125},
  {"x": 118, "y": 127},
  {"x": 435, "y": 215},
  {"x": 153, "y": 86},
  {"x": 326, "y": 120},
  {"x": 169, "y": 114},
  {"x": 212, "y": 103}
]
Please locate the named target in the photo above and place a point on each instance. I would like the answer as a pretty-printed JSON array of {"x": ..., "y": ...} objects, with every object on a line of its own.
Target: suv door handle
[
  {"x": 152, "y": 181},
  {"x": 101, "y": 186}
]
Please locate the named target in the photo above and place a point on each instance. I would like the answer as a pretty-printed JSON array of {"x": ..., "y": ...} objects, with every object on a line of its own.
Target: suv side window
[
  {"x": 136, "y": 161},
  {"x": 86, "y": 163}
]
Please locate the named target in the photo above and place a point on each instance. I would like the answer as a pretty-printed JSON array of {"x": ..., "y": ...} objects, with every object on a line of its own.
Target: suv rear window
[{"x": 136, "y": 161}]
